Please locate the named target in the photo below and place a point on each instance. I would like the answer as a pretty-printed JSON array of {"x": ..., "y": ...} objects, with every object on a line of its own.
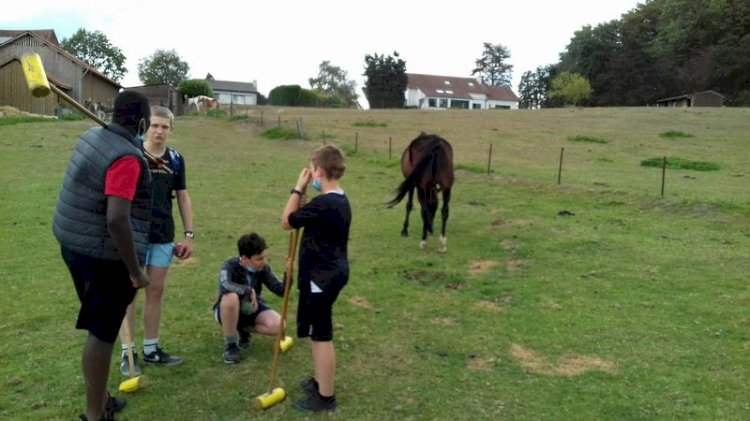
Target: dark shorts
[
  {"x": 104, "y": 290},
  {"x": 245, "y": 320},
  {"x": 315, "y": 311}
]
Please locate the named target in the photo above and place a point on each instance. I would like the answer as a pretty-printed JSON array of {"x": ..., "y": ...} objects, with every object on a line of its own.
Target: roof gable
[
  {"x": 457, "y": 87},
  {"x": 226, "y": 85},
  {"x": 45, "y": 34}
]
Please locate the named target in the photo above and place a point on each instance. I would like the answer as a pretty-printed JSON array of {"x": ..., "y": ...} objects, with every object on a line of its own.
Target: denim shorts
[{"x": 159, "y": 255}]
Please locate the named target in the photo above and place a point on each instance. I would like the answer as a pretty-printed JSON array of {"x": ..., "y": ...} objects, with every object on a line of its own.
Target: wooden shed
[
  {"x": 69, "y": 73},
  {"x": 164, "y": 95},
  {"x": 698, "y": 99}
]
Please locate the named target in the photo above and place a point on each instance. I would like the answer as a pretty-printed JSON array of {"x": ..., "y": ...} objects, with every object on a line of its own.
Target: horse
[{"x": 427, "y": 165}]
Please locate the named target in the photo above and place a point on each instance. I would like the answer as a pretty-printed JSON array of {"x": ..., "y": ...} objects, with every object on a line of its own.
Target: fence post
[
  {"x": 301, "y": 128},
  {"x": 559, "y": 169},
  {"x": 324, "y": 137},
  {"x": 389, "y": 147},
  {"x": 356, "y": 140},
  {"x": 663, "y": 175},
  {"x": 279, "y": 123},
  {"x": 489, "y": 161},
  {"x": 261, "y": 118}
]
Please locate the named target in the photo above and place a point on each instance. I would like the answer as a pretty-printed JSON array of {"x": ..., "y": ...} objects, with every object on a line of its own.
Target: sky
[{"x": 283, "y": 42}]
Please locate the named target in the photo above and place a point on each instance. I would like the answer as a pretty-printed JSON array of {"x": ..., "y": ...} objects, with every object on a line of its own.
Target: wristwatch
[
  {"x": 295, "y": 191},
  {"x": 189, "y": 234}
]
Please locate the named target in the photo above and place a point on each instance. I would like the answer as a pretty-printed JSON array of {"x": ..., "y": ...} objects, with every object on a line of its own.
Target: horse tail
[{"x": 411, "y": 180}]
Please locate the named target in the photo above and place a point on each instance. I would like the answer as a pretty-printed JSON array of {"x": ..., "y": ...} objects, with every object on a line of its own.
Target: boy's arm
[
  {"x": 229, "y": 285},
  {"x": 186, "y": 213},
  {"x": 274, "y": 283},
  {"x": 295, "y": 198}
]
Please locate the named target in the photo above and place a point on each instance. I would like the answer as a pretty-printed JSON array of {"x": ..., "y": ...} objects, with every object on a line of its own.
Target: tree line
[{"x": 660, "y": 49}]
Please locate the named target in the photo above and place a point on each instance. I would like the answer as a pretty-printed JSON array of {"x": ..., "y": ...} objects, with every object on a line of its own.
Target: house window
[
  {"x": 476, "y": 106},
  {"x": 432, "y": 102},
  {"x": 456, "y": 103},
  {"x": 440, "y": 91},
  {"x": 443, "y": 102},
  {"x": 448, "y": 91},
  {"x": 447, "y": 82},
  {"x": 502, "y": 107}
]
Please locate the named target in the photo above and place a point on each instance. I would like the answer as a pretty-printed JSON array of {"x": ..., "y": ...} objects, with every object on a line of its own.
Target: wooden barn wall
[{"x": 15, "y": 92}]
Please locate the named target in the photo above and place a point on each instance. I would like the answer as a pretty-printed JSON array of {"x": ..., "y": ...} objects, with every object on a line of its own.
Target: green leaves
[
  {"x": 164, "y": 66},
  {"x": 95, "y": 49}
]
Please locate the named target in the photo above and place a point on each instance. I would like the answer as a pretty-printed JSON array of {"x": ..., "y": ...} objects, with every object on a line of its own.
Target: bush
[
  {"x": 681, "y": 164},
  {"x": 194, "y": 87},
  {"x": 74, "y": 116},
  {"x": 674, "y": 134},
  {"x": 369, "y": 123},
  {"x": 216, "y": 113},
  {"x": 283, "y": 133},
  {"x": 284, "y": 95}
]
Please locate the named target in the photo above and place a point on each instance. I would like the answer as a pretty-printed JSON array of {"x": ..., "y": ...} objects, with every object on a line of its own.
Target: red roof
[{"x": 457, "y": 87}]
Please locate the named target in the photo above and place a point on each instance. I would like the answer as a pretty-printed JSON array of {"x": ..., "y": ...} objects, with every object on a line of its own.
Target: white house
[
  {"x": 436, "y": 92},
  {"x": 237, "y": 93}
]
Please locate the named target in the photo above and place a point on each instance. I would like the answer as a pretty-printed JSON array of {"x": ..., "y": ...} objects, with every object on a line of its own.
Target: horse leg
[
  {"x": 425, "y": 212},
  {"x": 409, "y": 207},
  {"x": 444, "y": 214}
]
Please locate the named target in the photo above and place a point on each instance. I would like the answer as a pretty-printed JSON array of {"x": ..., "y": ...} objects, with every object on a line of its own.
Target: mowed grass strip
[{"x": 579, "y": 301}]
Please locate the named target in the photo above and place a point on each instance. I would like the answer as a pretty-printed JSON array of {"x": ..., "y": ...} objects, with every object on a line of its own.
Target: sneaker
[
  {"x": 232, "y": 354},
  {"x": 244, "y": 340},
  {"x": 313, "y": 403},
  {"x": 125, "y": 366},
  {"x": 308, "y": 385},
  {"x": 115, "y": 404},
  {"x": 106, "y": 417},
  {"x": 159, "y": 357}
]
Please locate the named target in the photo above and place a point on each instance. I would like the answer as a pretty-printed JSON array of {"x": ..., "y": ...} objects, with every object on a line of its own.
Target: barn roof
[
  {"x": 48, "y": 37},
  {"x": 688, "y": 96},
  {"x": 457, "y": 87}
]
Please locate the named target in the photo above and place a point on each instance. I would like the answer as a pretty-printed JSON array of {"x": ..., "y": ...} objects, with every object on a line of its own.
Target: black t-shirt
[
  {"x": 323, "y": 247},
  {"x": 163, "y": 186}
]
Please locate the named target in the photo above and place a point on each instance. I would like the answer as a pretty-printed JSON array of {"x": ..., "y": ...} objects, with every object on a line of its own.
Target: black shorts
[
  {"x": 104, "y": 290},
  {"x": 245, "y": 320},
  {"x": 315, "y": 311}
]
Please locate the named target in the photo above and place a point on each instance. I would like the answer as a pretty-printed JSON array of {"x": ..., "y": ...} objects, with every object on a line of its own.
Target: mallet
[
  {"x": 39, "y": 86},
  {"x": 134, "y": 383},
  {"x": 277, "y": 394}
]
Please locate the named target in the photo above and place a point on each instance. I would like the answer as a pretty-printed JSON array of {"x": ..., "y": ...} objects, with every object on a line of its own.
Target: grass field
[{"x": 594, "y": 299}]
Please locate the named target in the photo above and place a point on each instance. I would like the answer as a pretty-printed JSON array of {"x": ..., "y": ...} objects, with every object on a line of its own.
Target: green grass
[
  {"x": 282, "y": 133},
  {"x": 681, "y": 164},
  {"x": 589, "y": 139},
  {"x": 631, "y": 307},
  {"x": 675, "y": 134},
  {"x": 369, "y": 123}
]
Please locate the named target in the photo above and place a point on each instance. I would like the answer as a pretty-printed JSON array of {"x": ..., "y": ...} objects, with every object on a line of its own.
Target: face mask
[
  {"x": 250, "y": 269},
  {"x": 141, "y": 129},
  {"x": 316, "y": 184}
]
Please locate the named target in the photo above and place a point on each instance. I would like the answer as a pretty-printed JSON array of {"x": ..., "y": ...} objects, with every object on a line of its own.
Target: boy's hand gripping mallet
[
  {"x": 134, "y": 382},
  {"x": 277, "y": 394},
  {"x": 39, "y": 86}
]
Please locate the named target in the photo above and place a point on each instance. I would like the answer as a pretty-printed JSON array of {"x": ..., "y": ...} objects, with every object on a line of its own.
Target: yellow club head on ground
[
  {"x": 267, "y": 399},
  {"x": 133, "y": 384},
  {"x": 286, "y": 343}
]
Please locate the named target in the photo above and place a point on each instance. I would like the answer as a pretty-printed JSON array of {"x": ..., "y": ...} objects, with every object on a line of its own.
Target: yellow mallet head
[
  {"x": 36, "y": 78},
  {"x": 269, "y": 399},
  {"x": 286, "y": 343},
  {"x": 133, "y": 384}
]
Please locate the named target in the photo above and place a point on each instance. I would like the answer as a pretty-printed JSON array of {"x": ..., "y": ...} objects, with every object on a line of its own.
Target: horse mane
[{"x": 427, "y": 159}]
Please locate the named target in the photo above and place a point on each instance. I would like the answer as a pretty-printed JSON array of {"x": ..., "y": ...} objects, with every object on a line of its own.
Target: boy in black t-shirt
[
  {"x": 164, "y": 188},
  {"x": 323, "y": 266},
  {"x": 239, "y": 306}
]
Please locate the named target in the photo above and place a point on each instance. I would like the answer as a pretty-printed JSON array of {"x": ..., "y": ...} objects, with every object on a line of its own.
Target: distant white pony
[{"x": 202, "y": 103}]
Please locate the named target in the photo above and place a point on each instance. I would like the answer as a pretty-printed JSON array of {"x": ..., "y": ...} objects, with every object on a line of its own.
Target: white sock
[
  {"x": 125, "y": 349},
  {"x": 149, "y": 345}
]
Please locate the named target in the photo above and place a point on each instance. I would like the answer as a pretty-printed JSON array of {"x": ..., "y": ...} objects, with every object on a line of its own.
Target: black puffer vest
[{"x": 80, "y": 220}]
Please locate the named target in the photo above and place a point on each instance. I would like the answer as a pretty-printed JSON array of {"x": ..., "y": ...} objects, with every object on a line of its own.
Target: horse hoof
[
  {"x": 423, "y": 245},
  {"x": 442, "y": 250},
  {"x": 443, "y": 245},
  {"x": 404, "y": 234}
]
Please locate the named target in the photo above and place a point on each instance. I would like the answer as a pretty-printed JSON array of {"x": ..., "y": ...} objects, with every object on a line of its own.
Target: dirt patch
[
  {"x": 509, "y": 244},
  {"x": 444, "y": 321},
  {"x": 477, "y": 363},
  {"x": 481, "y": 266},
  {"x": 514, "y": 265},
  {"x": 489, "y": 307},
  {"x": 362, "y": 302},
  {"x": 548, "y": 303},
  {"x": 568, "y": 366},
  {"x": 190, "y": 261}
]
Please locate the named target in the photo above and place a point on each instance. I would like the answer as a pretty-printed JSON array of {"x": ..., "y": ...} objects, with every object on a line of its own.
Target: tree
[
  {"x": 194, "y": 87},
  {"x": 386, "y": 82},
  {"x": 571, "y": 88},
  {"x": 95, "y": 49},
  {"x": 333, "y": 87},
  {"x": 492, "y": 67},
  {"x": 534, "y": 87},
  {"x": 163, "y": 67}
]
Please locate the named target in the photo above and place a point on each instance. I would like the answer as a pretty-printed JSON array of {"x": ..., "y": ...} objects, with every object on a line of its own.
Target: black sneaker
[
  {"x": 313, "y": 403},
  {"x": 244, "y": 340},
  {"x": 125, "y": 366},
  {"x": 308, "y": 385},
  {"x": 159, "y": 357},
  {"x": 232, "y": 354},
  {"x": 115, "y": 405},
  {"x": 106, "y": 417}
]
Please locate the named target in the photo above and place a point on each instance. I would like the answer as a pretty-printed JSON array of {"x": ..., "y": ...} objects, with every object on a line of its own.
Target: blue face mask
[
  {"x": 316, "y": 184},
  {"x": 139, "y": 138},
  {"x": 250, "y": 269}
]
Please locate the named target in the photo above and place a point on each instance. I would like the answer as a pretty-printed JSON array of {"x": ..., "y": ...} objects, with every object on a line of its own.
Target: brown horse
[{"x": 427, "y": 165}]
